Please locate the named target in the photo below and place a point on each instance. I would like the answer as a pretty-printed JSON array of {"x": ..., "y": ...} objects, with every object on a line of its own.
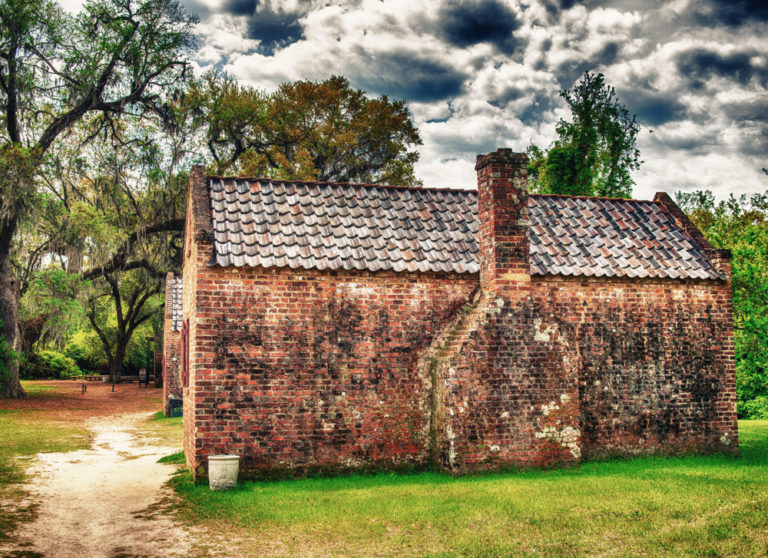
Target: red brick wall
[
  {"x": 295, "y": 369},
  {"x": 586, "y": 367},
  {"x": 655, "y": 361},
  {"x": 303, "y": 369}
]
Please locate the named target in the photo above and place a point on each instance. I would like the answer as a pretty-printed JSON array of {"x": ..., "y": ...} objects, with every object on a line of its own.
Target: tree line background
[{"x": 102, "y": 118}]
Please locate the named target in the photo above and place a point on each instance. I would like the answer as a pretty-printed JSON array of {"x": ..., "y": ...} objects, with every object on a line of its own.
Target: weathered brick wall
[
  {"x": 510, "y": 388},
  {"x": 569, "y": 368},
  {"x": 298, "y": 369},
  {"x": 655, "y": 361},
  {"x": 171, "y": 351}
]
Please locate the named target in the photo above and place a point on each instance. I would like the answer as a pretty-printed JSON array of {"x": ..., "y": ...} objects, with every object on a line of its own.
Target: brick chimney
[{"x": 503, "y": 219}]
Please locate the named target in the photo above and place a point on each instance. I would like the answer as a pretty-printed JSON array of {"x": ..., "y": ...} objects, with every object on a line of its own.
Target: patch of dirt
[
  {"x": 66, "y": 399},
  {"x": 102, "y": 501},
  {"x": 107, "y": 501}
]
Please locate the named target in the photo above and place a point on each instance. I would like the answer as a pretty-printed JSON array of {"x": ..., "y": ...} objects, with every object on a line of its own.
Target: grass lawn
[{"x": 692, "y": 506}]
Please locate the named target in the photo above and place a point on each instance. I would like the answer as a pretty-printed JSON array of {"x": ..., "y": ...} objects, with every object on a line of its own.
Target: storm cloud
[
  {"x": 404, "y": 75},
  {"x": 482, "y": 74},
  {"x": 570, "y": 71},
  {"x": 699, "y": 65},
  {"x": 730, "y": 12},
  {"x": 653, "y": 108},
  {"x": 487, "y": 21},
  {"x": 273, "y": 27},
  {"x": 240, "y": 7}
]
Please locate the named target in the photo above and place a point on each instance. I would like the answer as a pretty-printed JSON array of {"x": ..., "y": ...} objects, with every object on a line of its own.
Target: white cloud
[{"x": 501, "y": 98}]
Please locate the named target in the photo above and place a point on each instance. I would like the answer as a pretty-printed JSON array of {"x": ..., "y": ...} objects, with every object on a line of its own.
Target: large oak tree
[
  {"x": 306, "y": 130},
  {"x": 115, "y": 57}
]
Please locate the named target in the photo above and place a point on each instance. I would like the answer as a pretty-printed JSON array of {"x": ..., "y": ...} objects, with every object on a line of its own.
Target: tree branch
[
  {"x": 118, "y": 266},
  {"x": 119, "y": 260},
  {"x": 107, "y": 346}
]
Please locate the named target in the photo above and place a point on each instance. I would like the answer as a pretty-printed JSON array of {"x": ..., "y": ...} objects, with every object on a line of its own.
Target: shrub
[
  {"x": 756, "y": 409},
  {"x": 48, "y": 364},
  {"x": 84, "y": 359}
]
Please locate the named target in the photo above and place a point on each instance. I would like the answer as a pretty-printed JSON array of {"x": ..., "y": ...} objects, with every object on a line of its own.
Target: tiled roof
[
  {"x": 610, "y": 237},
  {"x": 339, "y": 226},
  {"x": 350, "y": 226},
  {"x": 176, "y": 302}
]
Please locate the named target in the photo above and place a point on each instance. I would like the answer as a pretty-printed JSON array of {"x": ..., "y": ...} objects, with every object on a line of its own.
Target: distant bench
[{"x": 141, "y": 378}]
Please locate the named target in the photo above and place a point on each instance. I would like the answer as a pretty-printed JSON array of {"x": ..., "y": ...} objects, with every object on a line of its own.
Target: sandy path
[{"x": 93, "y": 503}]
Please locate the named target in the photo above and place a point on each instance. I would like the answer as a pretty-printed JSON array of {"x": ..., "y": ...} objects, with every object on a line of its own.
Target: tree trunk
[
  {"x": 10, "y": 342},
  {"x": 117, "y": 367}
]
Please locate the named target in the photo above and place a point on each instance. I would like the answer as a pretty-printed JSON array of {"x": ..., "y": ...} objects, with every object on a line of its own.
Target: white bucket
[{"x": 222, "y": 471}]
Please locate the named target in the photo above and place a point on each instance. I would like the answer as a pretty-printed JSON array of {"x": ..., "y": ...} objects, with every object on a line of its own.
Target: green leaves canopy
[
  {"x": 306, "y": 130},
  {"x": 741, "y": 225},
  {"x": 595, "y": 151}
]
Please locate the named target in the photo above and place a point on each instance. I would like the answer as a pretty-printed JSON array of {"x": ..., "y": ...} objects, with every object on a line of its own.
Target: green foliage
[
  {"x": 82, "y": 349},
  {"x": 741, "y": 225},
  {"x": 305, "y": 130},
  {"x": 121, "y": 318},
  {"x": 48, "y": 365},
  {"x": 17, "y": 164},
  {"x": 53, "y": 294},
  {"x": 756, "y": 408},
  {"x": 595, "y": 152},
  {"x": 137, "y": 356}
]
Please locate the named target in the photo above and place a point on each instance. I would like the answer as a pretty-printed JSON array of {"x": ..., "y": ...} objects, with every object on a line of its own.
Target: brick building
[
  {"x": 333, "y": 326},
  {"x": 172, "y": 381}
]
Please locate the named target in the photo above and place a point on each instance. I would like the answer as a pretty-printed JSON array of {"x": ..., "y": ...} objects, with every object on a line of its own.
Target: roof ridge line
[
  {"x": 602, "y": 198},
  {"x": 328, "y": 183},
  {"x": 414, "y": 188}
]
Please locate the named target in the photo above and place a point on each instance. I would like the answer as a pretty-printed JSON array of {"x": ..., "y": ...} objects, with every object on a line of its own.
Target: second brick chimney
[{"x": 503, "y": 219}]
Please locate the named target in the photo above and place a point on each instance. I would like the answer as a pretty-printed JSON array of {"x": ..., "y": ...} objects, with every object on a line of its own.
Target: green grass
[
  {"x": 26, "y": 433},
  {"x": 175, "y": 458},
  {"x": 34, "y": 389},
  {"x": 691, "y": 506},
  {"x": 166, "y": 429}
]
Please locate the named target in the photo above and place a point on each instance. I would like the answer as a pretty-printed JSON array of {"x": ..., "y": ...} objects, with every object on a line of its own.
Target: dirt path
[{"x": 94, "y": 503}]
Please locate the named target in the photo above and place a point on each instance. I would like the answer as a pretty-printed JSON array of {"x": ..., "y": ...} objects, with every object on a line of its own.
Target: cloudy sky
[{"x": 485, "y": 74}]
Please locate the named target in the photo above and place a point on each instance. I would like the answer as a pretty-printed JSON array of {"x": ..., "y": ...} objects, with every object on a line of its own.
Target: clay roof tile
[{"x": 331, "y": 226}]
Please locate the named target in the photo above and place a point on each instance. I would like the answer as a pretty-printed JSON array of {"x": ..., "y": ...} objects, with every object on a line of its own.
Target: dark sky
[{"x": 485, "y": 74}]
